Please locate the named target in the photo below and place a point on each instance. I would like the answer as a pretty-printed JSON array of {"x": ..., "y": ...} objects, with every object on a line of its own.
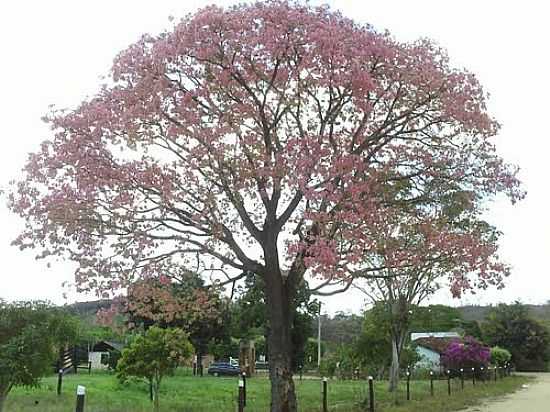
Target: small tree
[
  {"x": 500, "y": 356},
  {"x": 31, "y": 334},
  {"x": 153, "y": 356},
  {"x": 187, "y": 304}
]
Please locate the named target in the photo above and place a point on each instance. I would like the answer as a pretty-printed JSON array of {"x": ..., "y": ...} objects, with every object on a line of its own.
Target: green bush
[
  {"x": 328, "y": 366},
  {"x": 500, "y": 356}
]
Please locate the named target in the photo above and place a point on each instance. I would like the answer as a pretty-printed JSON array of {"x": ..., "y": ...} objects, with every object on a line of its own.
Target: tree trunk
[
  {"x": 199, "y": 363},
  {"x": 280, "y": 312},
  {"x": 2, "y": 399},
  {"x": 394, "y": 368},
  {"x": 156, "y": 404}
]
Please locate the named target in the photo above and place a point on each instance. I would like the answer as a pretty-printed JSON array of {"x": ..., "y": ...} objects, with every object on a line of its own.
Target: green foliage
[
  {"x": 311, "y": 352},
  {"x": 500, "y": 356},
  {"x": 373, "y": 345},
  {"x": 409, "y": 356},
  {"x": 434, "y": 318},
  {"x": 89, "y": 334},
  {"x": 249, "y": 317},
  {"x": 114, "y": 357},
  {"x": 225, "y": 348},
  {"x": 328, "y": 366},
  {"x": 153, "y": 356},
  {"x": 200, "y": 311},
  {"x": 184, "y": 393},
  {"x": 31, "y": 335},
  {"x": 512, "y": 328},
  {"x": 341, "y": 328}
]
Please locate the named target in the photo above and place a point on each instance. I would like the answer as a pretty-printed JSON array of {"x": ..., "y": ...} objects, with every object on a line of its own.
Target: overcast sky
[{"x": 54, "y": 53}]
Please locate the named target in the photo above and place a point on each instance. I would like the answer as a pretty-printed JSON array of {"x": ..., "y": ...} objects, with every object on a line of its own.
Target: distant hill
[
  {"x": 89, "y": 308},
  {"x": 478, "y": 313},
  {"x": 87, "y": 311}
]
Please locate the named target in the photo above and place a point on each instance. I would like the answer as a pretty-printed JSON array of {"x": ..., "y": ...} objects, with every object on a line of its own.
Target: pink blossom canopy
[{"x": 272, "y": 137}]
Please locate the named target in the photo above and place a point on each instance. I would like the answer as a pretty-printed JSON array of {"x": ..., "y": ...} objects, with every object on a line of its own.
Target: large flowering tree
[
  {"x": 469, "y": 247},
  {"x": 270, "y": 138}
]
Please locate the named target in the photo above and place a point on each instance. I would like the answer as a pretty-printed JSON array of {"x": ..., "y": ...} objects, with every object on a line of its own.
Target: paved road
[{"x": 534, "y": 398}]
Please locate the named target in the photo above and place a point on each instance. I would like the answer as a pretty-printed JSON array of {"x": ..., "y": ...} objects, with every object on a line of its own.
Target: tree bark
[
  {"x": 156, "y": 402},
  {"x": 279, "y": 294},
  {"x": 398, "y": 335},
  {"x": 394, "y": 368}
]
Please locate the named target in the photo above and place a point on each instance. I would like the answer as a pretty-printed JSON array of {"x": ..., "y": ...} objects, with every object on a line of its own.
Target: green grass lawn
[{"x": 184, "y": 393}]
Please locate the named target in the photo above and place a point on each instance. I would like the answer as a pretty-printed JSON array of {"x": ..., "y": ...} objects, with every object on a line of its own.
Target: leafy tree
[
  {"x": 154, "y": 355},
  {"x": 269, "y": 138},
  {"x": 340, "y": 328},
  {"x": 373, "y": 345},
  {"x": 31, "y": 335},
  {"x": 510, "y": 327},
  {"x": 500, "y": 356},
  {"x": 223, "y": 349},
  {"x": 472, "y": 254},
  {"x": 187, "y": 304}
]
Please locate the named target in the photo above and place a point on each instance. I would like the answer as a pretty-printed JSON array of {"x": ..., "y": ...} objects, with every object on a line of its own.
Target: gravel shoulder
[{"x": 535, "y": 397}]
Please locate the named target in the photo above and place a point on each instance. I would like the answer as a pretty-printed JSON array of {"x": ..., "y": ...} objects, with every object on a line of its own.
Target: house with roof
[
  {"x": 100, "y": 352},
  {"x": 430, "y": 346}
]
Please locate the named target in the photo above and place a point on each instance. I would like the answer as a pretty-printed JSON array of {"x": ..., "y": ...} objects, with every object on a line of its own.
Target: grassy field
[{"x": 184, "y": 393}]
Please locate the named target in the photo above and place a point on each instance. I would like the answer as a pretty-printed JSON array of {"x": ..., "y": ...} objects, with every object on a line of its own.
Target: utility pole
[{"x": 319, "y": 339}]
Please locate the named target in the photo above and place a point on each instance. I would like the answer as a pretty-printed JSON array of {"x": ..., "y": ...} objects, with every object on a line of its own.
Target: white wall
[
  {"x": 95, "y": 358},
  {"x": 428, "y": 359}
]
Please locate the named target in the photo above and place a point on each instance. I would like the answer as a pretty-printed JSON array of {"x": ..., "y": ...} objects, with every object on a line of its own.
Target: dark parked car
[{"x": 223, "y": 368}]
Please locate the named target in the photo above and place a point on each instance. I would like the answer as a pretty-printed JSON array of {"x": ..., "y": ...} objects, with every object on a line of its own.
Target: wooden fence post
[
  {"x": 244, "y": 388},
  {"x": 241, "y": 395},
  {"x": 408, "y": 385},
  {"x": 371, "y": 394},
  {"x": 80, "y": 395},
  {"x": 325, "y": 403},
  {"x": 59, "y": 381}
]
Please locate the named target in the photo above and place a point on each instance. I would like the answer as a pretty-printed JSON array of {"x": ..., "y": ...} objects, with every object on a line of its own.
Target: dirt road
[{"x": 534, "y": 398}]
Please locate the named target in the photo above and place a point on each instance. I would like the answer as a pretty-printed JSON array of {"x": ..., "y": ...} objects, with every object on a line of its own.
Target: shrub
[
  {"x": 328, "y": 366},
  {"x": 153, "y": 356},
  {"x": 500, "y": 356},
  {"x": 467, "y": 353}
]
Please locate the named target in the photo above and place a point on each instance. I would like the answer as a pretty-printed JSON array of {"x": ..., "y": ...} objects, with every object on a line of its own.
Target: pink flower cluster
[{"x": 466, "y": 353}]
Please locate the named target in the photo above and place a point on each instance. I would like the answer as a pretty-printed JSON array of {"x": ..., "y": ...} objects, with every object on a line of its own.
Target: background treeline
[{"x": 352, "y": 343}]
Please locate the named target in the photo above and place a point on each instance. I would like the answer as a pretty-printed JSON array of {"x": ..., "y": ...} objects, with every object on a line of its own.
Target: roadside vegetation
[{"x": 185, "y": 393}]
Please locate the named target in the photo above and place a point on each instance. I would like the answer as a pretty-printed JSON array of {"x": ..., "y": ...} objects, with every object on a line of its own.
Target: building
[
  {"x": 100, "y": 353},
  {"x": 430, "y": 346}
]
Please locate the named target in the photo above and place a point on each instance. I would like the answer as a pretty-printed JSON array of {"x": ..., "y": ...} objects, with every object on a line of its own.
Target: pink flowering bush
[{"x": 467, "y": 353}]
